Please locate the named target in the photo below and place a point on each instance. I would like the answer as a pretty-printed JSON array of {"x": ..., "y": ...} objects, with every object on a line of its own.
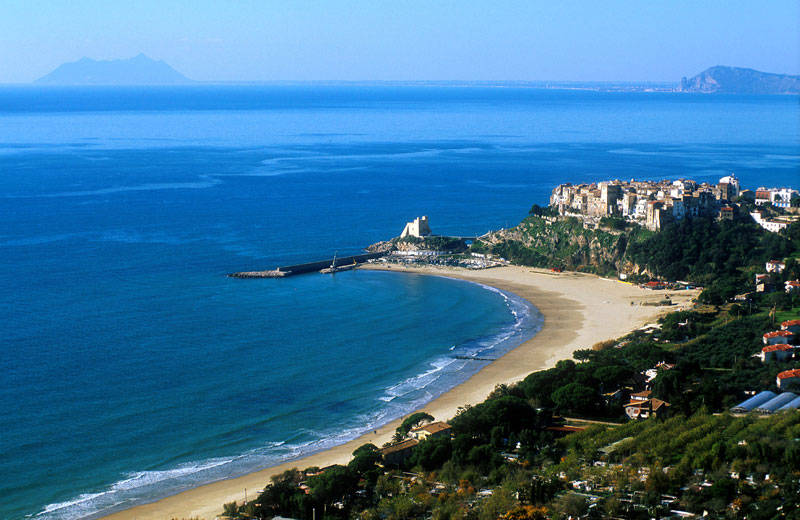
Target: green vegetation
[
  {"x": 561, "y": 243},
  {"x": 722, "y": 256}
]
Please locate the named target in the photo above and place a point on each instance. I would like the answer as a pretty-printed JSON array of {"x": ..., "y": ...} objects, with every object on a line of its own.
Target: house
[
  {"x": 791, "y": 326},
  {"x": 641, "y": 396},
  {"x": 775, "y": 266},
  {"x": 777, "y": 337},
  {"x": 431, "y": 431},
  {"x": 788, "y": 378},
  {"x": 397, "y": 453},
  {"x": 779, "y": 352},
  {"x": 764, "y": 282},
  {"x": 638, "y": 409},
  {"x": 792, "y": 286},
  {"x": 652, "y": 373},
  {"x": 726, "y": 213}
]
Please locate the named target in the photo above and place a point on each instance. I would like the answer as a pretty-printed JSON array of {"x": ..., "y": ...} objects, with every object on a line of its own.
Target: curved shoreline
[{"x": 563, "y": 299}]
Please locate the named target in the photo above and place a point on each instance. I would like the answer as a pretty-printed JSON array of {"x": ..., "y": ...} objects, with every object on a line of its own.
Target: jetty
[{"x": 309, "y": 267}]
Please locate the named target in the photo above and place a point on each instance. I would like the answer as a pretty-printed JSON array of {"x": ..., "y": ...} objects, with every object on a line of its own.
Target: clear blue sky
[{"x": 659, "y": 40}]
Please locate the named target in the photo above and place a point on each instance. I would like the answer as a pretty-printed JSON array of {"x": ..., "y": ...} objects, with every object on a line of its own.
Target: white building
[
  {"x": 775, "y": 266},
  {"x": 733, "y": 182},
  {"x": 416, "y": 228},
  {"x": 770, "y": 224}
]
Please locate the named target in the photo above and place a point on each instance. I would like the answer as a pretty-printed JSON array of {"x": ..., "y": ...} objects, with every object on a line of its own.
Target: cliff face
[
  {"x": 429, "y": 243},
  {"x": 734, "y": 80},
  {"x": 564, "y": 243}
]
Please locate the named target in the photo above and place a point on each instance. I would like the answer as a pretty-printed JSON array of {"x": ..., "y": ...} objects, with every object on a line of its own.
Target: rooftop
[
  {"x": 432, "y": 428},
  {"x": 788, "y": 374},
  {"x": 774, "y": 348},
  {"x": 400, "y": 446},
  {"x": 776, "y": 333}
]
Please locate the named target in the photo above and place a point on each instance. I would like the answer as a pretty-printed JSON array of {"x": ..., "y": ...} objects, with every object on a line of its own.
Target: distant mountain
[
  {"x": 735, "y": 80},
  {"x": 139, "y": 70}
]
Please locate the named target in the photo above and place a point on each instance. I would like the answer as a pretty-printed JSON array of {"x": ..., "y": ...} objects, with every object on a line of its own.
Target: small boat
[{"x": 336, "y": 268}]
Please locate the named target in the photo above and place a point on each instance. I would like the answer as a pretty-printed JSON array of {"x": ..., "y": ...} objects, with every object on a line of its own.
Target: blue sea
[{"x": 132, "y": 367}]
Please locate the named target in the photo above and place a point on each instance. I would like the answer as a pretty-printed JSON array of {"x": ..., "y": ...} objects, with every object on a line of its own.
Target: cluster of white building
[
  {"x": 778, "y": 197},
  {"x": 654, "y": 203},
  {"x": 649, "y": 202}
]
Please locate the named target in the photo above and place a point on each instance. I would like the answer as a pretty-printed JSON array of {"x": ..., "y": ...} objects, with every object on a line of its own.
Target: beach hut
[
  {"x": 753, "y": 402},
  {"x": 776, "y": 402}
]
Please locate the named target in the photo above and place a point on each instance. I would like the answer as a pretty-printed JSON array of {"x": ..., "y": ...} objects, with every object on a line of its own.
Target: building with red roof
[
  {"x": 637, "y": 409},
  {"x": 788, "y": 378},
  {"x": 792, "y": 286},
  {"x": 779, "y": 352},
  {"x": 778, "y": 336},
  {"x": 791, "y": 326}
]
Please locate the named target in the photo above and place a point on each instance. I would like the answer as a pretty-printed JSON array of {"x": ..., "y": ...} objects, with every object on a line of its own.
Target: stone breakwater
[{"x": 309, "y": 267}]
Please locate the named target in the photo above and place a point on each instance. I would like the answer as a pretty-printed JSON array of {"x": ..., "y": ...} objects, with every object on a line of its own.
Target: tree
[
  {"x": 231, "y": 510},
  {"x": 412, "y": 421},
  {"x": 335, "y": 484},
  {"x": 365, "y": 462},
  {"x": 432, "y": 453},
  {"x": 540, "y": 211},
  {"x": 576, "y": 397}
]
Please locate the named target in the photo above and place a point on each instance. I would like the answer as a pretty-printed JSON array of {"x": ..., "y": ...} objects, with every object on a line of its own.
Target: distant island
[
  {"x": 735, "y": 80},
  {"x": 143, "y": 70},
  {"x": 139, "y": 70}
]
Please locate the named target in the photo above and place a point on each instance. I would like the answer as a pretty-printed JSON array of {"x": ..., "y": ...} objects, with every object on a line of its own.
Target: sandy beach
[{"x": 579, "y": 310}]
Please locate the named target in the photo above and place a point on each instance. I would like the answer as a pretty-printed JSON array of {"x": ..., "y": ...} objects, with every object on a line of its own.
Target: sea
[{"x": 132, "y": 368}]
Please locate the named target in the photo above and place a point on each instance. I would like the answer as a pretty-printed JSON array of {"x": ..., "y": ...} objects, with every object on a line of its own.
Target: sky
[{"x": 530, "y": 40}]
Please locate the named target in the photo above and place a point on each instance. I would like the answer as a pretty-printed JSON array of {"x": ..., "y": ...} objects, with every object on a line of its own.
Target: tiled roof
[
  {"x": 790, "y": 323},
  {"x": 776, "y": 333},
  {"x": 433, "y": 427},
  {"x": 400, "y": 446},
  {"x": 779, "y": 346},
  {"x": 788, "y": 374}
]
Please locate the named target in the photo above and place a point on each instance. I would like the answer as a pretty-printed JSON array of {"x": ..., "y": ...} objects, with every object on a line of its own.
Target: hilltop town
[{"x": 656, "y": 203}]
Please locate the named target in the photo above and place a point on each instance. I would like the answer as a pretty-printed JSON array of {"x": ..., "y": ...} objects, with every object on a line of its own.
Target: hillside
[
  {"x": 735, "y": 80},
  {"x": 139, "y": 70}
]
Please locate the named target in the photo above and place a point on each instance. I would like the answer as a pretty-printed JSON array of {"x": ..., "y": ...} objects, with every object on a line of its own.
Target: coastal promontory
[{"x": 736, "y": 80}]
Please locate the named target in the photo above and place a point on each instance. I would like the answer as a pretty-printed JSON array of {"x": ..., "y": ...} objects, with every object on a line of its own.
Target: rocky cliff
[
  {"x": 564, "y": 243},
  {"x": 735, "y": 80}
]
